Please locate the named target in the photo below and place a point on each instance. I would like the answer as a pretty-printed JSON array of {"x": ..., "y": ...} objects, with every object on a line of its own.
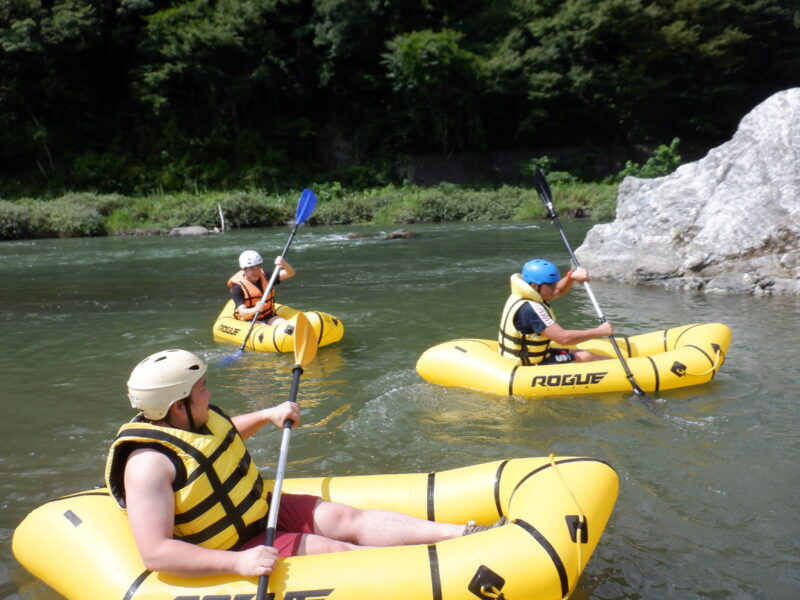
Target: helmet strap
[{"x": 187, "y": 404}]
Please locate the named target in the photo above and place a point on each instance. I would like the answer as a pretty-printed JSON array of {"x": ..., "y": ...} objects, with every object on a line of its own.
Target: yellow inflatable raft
[
  {"x": 661, "y": 360},
  {"x": 278, "y": 337},
  {"x": 557, "y": 508}
]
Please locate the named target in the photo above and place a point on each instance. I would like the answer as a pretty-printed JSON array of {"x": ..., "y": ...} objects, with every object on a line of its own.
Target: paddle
[
  {"x": 543, "y": 189},
  {"x": 305, "y": 206},
  {"x": 305, "y": 348}
]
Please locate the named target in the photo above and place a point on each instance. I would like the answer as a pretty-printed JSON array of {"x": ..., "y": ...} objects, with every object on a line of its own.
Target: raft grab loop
[{"x": 713, "y": 366}]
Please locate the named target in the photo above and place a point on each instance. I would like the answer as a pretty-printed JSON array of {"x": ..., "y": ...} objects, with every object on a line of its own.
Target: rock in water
[
  {"x": 729, "y": 222},
  {"x": 400, "y": 234},
  {"x": 191, "y": 230}
]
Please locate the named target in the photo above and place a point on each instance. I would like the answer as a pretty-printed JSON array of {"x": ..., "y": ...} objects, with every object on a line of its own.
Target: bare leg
[
  {"x": 378, "y": 527},
  {"x": 317, "y": 544},
  {"x": 586, "y": 356}
]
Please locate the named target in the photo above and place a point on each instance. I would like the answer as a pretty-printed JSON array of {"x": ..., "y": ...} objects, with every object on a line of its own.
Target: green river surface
[{"x": 709, "y": 480}]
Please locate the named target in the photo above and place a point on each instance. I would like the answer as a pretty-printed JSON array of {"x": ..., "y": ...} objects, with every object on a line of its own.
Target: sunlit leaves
[{"x": 438, "y": 79}]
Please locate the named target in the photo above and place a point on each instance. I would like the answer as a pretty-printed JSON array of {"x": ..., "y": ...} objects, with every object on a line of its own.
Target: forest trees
[{"x": 130, "y": 95}]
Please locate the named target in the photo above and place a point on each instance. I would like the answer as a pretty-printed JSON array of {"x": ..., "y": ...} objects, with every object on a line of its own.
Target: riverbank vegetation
[
  {"x": 90, "y": 214},
  {"x": 134, "y": 115},
  {"x": 93, "y": 214},
  {"x": 142, "y": 97}
]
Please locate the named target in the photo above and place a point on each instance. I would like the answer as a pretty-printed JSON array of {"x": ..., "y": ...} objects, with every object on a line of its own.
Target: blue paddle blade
[
  {"x": 305, "y": 206},
  {"x": 229, "y": 359}
]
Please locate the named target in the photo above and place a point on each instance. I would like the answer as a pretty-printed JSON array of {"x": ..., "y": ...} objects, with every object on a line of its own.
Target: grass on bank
[
  {"x": 90, "y": 214},
  {"x": 83, "y": 214}
]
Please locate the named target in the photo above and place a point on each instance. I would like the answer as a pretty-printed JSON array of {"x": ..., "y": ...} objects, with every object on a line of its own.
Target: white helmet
[
  {"x": 249, "y": 258},
  {"x": 162, "y": 379}
]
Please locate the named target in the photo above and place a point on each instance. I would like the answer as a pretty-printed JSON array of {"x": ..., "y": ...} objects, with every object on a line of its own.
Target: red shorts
[{"x": 295, "y": 518}]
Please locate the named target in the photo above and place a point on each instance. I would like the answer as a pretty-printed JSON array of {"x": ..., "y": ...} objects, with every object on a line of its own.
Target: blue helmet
[{"x": 540, "y": 271}]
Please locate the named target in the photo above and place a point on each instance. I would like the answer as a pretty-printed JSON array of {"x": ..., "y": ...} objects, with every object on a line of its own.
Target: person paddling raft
[
  {"x": 247, "y": 287},
  {"x": 195, "y": 500},
  {"x": 528, "y": 323}
]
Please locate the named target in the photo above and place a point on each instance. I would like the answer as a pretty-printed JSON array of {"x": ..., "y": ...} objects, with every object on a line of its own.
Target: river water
[{"x": 708, "y": 504}]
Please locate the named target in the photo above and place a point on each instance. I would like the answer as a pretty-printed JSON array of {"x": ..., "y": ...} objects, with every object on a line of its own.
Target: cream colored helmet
[
  {"x": 249, "y": 258},
  {"x": 162, "y": 379}
]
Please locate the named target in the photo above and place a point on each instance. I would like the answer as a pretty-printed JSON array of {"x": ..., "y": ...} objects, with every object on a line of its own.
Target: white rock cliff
[{"x": 729, "y": 222}]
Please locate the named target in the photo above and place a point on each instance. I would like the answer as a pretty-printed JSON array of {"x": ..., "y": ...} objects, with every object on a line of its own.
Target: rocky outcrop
[
  {"x": 190, "y": 230},
  {"x": 400, "y": 234},
  {"x": 729, "y": 222}
]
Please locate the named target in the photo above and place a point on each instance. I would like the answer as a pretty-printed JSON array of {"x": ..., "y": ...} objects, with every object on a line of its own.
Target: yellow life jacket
[
  {"x": 219, "y": 500},
  {"x": 252, "y": 296},
  {"x": 524, "y": 349}
]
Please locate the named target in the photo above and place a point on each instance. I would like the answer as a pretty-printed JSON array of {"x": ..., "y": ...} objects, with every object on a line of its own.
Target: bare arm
[
  {"x": 564, "y": 285},
  {"x": 244, "y": 311},
  {"x": 248, "y": 424},
  {"x": 287, "y": 270},
  {"x": 570, "y": 337},
  {"x": 151, "y": 512}
]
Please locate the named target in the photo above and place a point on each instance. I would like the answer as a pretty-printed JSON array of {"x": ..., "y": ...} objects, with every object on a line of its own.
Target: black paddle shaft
[
  {"x": 275, "y": 502},
  {"x": 543, "y": 189}
]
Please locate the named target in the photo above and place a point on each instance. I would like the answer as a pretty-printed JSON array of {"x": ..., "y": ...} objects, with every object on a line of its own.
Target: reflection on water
[{"x": 707, "y": 504}]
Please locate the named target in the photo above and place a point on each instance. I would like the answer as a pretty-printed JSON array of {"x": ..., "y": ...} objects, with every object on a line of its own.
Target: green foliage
[
  {"x": 66, "y": 217},
  {"x": 631, "y": 71},
  {"x": 421, "y": 60},
  {"x": 548, "y": 166},
  {"x": 253, "y": 209},
  {"x": 18, "y": 222},
  {"x": 450, "y": 203},
  {"x": 412, "y": 204},
  {"x": 344, "y": 211},
  {"x": 328, "y": 191},
  {"x": 205, "y": 48},
  {"x": 370, "y": 174},
  {"x": 435, "y": 79},
  {"x": 125, "y": 220},
  {"x": 545, "y": 163},
  {"x": 101, "y": 171},
  {"x": 142, "y": 97},
  {"x": 341, "y": 206},
  {"x": 663, "y": 162},
  {"x": 71, "y": 215},
  {"x": 103, "y": 204},
  {"x": 239, "y": 209},
  {"x": 598, "y": 200},
  {"x": 84, "y": 214}
]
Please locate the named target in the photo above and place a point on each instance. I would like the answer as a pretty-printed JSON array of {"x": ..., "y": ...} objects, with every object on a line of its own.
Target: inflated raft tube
[
  {"x": 557, "y": 508},
  {"x": 660, "y": 360},
  {"x": 278, "y": 337}
]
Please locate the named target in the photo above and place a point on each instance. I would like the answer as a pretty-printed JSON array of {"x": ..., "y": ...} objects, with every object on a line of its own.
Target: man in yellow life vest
[
  {"x": 528, "y": 324},
  {"x": 195, "y": 499},
  {"x": 248, "y": 285}
]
